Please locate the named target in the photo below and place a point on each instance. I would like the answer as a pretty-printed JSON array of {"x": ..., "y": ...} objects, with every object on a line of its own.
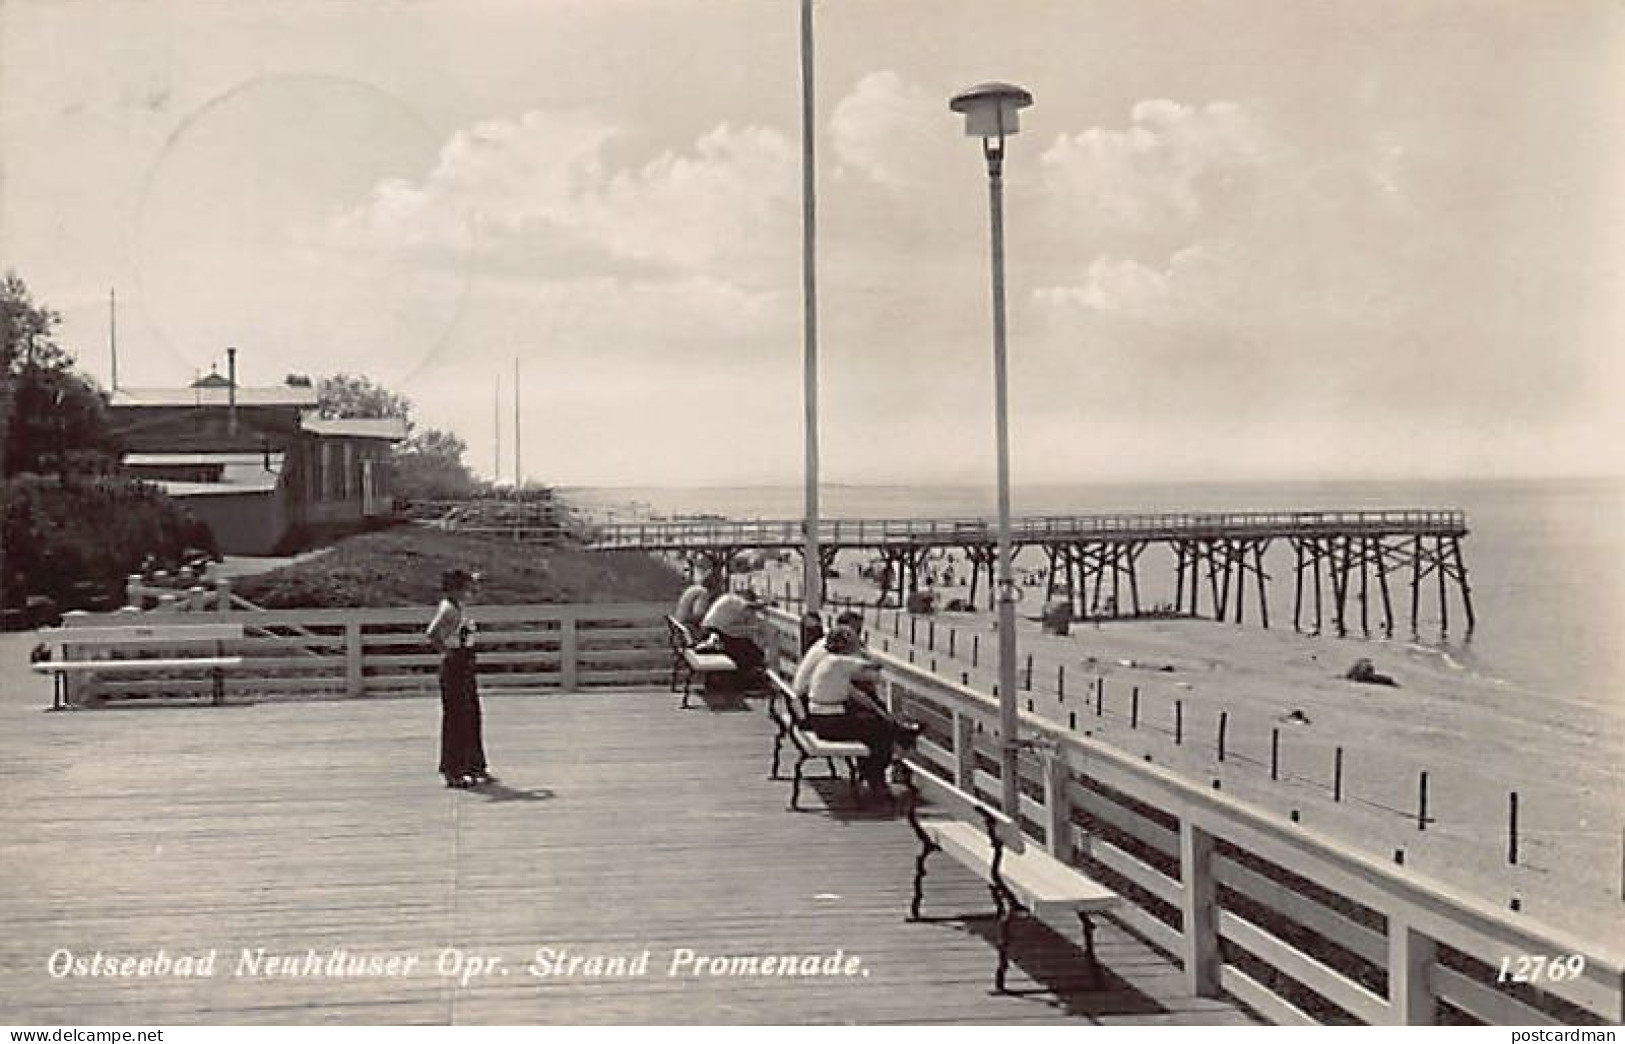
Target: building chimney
[{"x": 231, "y": 391}]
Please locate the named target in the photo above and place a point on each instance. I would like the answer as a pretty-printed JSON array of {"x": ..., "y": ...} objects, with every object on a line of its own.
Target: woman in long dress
[{"x": 451, "y": 634}]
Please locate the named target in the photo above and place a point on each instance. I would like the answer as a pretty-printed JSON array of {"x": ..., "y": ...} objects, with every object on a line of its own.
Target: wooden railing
[
  {"x": 335, "y": 653},
  {"x": 950, "y": 532},
  {"x": 1294, "y": 924}
]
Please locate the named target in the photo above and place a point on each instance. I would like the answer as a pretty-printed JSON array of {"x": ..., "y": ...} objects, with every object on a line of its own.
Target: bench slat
[
  {"x": 49, "y": 666},
  {"x": 1038, "y": 879},
  {"x": 707, "y": 663},
  {"x": 146, "y": 634}
]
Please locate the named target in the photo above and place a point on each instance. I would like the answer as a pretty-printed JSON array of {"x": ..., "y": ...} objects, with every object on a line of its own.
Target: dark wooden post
[{"x": 1512, "y": 828}]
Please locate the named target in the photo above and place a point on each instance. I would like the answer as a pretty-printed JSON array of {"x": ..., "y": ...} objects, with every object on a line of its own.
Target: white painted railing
[
  {"x": 1294, "y": 924},
  {"x": 333, "y": 653}
]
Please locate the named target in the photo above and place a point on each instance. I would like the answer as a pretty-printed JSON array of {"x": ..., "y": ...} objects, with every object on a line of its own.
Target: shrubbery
[
  {"x": 402, "y": 566},
  {"x": 76, "y": 543}
]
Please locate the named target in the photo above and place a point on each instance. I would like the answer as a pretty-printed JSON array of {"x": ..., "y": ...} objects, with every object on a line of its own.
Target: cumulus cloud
[
  {"x": 1185, "y": 287},
  {"x": 1165, "y": 168},
  {"x": 888, "y": 129},
  {"x": 721, "y": 208}
]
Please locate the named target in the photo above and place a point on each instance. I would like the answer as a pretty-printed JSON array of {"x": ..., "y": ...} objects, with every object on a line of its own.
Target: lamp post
[{"x": 991, "y": 113}]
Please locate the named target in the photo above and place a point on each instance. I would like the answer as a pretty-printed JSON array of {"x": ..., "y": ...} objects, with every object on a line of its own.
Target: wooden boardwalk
[{"x": 621, "y": 825}]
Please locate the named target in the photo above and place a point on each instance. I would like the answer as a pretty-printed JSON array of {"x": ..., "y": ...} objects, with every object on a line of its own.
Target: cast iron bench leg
[
  {"x": 1089, "y": 949},
  {"x": 795, "y": 785},
  {"x": 778, "y": 750}
]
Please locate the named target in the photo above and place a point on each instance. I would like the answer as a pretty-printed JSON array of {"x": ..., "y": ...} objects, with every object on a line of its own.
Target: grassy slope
[{"x": 402, "y": 566}]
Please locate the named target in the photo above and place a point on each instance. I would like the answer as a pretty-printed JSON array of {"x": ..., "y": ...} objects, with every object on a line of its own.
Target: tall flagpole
[
  {"x": 112, "y": 332},
  {"x": 496, "y": 418},
  {"x": 812, "y": 558},
  {"x": 518, "y": 471}
]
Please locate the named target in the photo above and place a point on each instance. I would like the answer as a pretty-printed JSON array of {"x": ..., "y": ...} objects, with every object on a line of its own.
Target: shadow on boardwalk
[{"x": 620, "y": 825}]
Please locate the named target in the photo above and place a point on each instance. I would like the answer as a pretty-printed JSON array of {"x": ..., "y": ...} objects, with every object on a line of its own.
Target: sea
[{"x": 1545, "y": 557}]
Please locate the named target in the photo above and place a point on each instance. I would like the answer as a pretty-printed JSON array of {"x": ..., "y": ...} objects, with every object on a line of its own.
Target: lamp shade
[{"x": 991, "y": 109}]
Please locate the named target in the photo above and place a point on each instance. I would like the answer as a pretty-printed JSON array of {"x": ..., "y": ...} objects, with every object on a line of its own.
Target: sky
[{"x": 1246, "y": 239}]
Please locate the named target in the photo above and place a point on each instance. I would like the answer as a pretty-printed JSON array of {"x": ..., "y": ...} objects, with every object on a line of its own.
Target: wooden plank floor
[{"x": 621, "y": 825}]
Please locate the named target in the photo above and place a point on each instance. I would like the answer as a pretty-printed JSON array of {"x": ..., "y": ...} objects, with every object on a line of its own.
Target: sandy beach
[{"x": 1477, "y": 738}]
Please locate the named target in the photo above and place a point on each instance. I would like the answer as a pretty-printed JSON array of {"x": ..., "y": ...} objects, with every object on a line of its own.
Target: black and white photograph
[{"x": 1096, "y": 513}]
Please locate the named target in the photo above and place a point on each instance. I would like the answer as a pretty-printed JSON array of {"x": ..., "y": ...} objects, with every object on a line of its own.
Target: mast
[{"x": 812, "y": 555}]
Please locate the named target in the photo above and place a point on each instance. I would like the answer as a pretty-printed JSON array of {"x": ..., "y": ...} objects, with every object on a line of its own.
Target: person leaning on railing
[
  {"x": 818, "y": 650},
  {"x": 841, "y": 705}
]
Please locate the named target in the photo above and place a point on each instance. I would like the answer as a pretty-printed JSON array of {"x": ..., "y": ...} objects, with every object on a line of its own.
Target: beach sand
[{"x": 1478, "y": 739}]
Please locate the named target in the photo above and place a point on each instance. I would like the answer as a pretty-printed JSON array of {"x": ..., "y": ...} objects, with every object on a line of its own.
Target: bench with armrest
[
  {"x": 789, "y": 716},
  {"x": 1021, "y": 875},
  {"x": 183, "y": 647},
  {"x": 687, "y": 663}
]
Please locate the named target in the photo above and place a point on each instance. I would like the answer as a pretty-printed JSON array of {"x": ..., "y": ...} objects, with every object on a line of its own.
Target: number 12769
[{"x": 1534, "y": 968}]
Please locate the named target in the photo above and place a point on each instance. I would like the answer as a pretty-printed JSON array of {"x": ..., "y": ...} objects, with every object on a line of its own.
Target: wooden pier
[{"x": 1342, "y": 560}]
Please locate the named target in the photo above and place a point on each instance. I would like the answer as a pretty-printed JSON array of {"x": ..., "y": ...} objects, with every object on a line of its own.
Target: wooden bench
[
  {"x": 784, "y": 707},
  {"x": 686, "y": 663},
  {"x": 207, "y": 639},
  {"x": 1021, "y": 876}
]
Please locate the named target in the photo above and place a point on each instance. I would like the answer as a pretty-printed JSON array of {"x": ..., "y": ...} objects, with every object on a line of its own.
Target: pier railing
[
  {"x": 335, "y": 653},
  {"x": 949, "y": 532},
  {"x": 1294, "y": 924}
]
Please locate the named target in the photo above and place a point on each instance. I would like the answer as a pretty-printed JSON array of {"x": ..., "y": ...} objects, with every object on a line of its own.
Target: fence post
[
  {"x": 222, "y": 597},
  {"x": 964, "y": 752},
  {"x": 1410, "y": 958},
  {"x": 1199, "y": 904},
  {"x": 355, "y": 683},
  {"x": 569, "y": 658},
  {"x": 1057, "y": 810}
]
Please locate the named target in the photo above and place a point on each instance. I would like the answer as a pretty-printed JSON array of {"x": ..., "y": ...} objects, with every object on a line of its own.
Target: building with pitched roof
[{"x": 259, "y": 466}]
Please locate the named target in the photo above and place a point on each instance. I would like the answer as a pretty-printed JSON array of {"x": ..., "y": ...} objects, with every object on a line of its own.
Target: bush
[
  {"x": 76, "y": 543},
  {"x": 402, "y": 566}
]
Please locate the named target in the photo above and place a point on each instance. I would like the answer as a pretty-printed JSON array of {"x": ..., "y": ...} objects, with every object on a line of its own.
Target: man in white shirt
[
  {"x": 819, "y": 649},
  {"x": 841, "y": 706}
]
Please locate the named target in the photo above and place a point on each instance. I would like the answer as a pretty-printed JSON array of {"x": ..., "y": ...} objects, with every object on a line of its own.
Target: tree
[
  {"x": 348, "y": 395},
  {"x": 429, "y": 464},
  {"x": 52, "y": 418}
]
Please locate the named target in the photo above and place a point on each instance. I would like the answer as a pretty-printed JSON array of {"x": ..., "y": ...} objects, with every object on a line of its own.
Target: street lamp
[{"x": 991, "y": 113}]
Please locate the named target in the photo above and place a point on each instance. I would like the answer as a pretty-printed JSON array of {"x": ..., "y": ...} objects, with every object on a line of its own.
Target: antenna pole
[{"x": 112, "y": 332}]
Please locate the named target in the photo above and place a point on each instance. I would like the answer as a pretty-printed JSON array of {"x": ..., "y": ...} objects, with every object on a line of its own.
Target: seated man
[
  {"x": 816, "y": 652},
  {"x": 841, "y": 705},
  {"x": 693, "y": 603},
  {"x": 730, "y": 626}
]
